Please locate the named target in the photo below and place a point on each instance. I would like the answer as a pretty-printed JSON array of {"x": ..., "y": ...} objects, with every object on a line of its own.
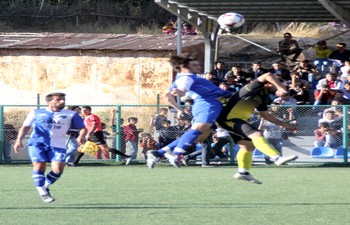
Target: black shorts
[
  {"x": 98, "y": 138},
  {"x": 238, "y": 129}
]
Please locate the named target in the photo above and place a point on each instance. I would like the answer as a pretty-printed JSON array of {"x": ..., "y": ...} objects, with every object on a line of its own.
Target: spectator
[
  {"x": 167, "y": 134},
  {"x": 278, "y": 69},
  {"x": 169, "y": 28},
  {"x": 241, "y": 76},
  {"x": 288, "y": 47},
  {"x": 331, "y": 80},
  {"x": 256, "y": 70},
  {"x": 231, "y": 81},
  {"x": 132, "y": 138},
  {"x": 326, "y": 136},
  {"x": 306, "y": 70},
  {"x": 220, "y": 70},
  {"x": 187, "y": 29},
  {"x": 147, "y": 143},
  {"x": 10, "y": 135},
  {"x": 273, "y": 134},
  {"x": 221, "y": 138},
  {"x": 345, "y": 70},
  {"x": 211, "y": 77},
  {"x": 157, "y": 121},
  {"x": 187, "y": 112},
  {"x": 339, "y": 56},
  {"x": 121, "y": 134},
  {"x": 346, "y": 92},
  {"x": 322, "y": 53},
  {"x": 225, "y": 86},
  {"x": 286, "y": 101},
  {"x": 95, "y": 134},
  {"x": 324, "y": 95},
  {"x": 329, "y": 117},
  {"x": 298, "y": 89},
  {"x": 72, "y": 143}
]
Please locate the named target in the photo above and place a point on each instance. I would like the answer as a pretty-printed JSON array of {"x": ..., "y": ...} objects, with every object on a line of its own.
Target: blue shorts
[
  {"x": 206, "y": 111},
  {"x": 46, "y": 154}
]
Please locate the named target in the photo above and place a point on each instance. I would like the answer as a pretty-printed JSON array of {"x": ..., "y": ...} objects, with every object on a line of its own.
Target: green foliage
[
  {"x": 82, "y": 16},
  {"x": 134, "y": 194}
]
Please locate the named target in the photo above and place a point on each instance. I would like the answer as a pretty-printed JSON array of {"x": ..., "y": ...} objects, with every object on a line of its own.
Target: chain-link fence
[{"x": 310, "y": 143}]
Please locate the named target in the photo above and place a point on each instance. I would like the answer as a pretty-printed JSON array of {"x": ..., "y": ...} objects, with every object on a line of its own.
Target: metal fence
[{"x": 302, "y": 143}]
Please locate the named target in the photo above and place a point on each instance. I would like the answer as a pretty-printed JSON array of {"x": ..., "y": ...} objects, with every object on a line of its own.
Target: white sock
[
  {"x": 242, "y": 170},
  {"x": 41, "y": 190}
]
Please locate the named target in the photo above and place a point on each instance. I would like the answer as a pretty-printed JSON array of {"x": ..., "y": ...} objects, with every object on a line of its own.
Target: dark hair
[
  {"x": 132, "y": 118},
  {"x": 322, "y": 43},
  {"x": 324, "y": 124},
  {"x": 287, "y": 34},
  {"x": 49, "y": 97},
  {"x": 182, "y": 60},
  {"x": 86, "y": 107},
  {"x": 166, "y": 122},
  {"x": 73, "y": 107}
]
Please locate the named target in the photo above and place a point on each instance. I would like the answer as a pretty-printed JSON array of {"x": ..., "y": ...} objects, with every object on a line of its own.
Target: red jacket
[{"x": 131, "y": 133}]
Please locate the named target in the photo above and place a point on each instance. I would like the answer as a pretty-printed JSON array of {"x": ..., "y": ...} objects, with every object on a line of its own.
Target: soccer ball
[{"x": 230, "y": 20}]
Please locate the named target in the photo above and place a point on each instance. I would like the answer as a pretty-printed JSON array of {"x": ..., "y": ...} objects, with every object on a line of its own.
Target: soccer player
[
  {"x": 206, "y": 107},
  {"x": 47, "y": 143},
  {"x": 237, "y": 110}
]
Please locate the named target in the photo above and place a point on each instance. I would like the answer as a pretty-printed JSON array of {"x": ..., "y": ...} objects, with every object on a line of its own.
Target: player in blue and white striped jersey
[{"x": 47, "y": 142}]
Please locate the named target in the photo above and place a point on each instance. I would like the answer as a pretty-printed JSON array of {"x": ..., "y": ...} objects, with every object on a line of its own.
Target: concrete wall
[{"x": 87, "y": 77}]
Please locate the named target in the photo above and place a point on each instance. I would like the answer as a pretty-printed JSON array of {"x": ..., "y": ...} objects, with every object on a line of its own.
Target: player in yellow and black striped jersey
[{"x": 235, "y": 114}]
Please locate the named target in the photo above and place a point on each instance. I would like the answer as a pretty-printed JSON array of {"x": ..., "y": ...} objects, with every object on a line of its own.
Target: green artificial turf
[{"x": 193, "y": 195}]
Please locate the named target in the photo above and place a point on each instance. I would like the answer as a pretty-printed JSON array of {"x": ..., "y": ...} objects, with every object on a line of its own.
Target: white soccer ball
[{"x": 231, "y": 20}]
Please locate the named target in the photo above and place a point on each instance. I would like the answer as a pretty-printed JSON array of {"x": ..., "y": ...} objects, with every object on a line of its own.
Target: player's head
[
  {"x": 185, "y": 63},
  {"x": 56, "y": 101}
]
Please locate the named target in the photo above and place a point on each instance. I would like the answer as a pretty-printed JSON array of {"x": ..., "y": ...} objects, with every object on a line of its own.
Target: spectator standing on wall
[{"x": 288, "y": 47}]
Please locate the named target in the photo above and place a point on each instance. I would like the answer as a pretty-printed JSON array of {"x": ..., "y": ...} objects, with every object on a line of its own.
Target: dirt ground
[{"x": 233, "y": 50}]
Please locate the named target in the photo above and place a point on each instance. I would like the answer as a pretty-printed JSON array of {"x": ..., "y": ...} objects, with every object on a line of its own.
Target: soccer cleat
[
  {"x": 283, "y": 160},
  {"x": 152, "y": 159},
  {"x": 246, "y": 177},
  {"x": 128, "y": 161},
  {"x": 173, "y": 159},
  {"x": 71, "y": 164},
  {"x": 183, "y": 159},
  {"x": 47, "y": 197}
]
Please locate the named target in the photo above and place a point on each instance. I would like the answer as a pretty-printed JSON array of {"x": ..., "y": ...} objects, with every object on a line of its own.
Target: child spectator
[
  {"x": 326, "y": 136},
  {"x": 147, "y": 143},
  {"x": 167, "y": 134},
  {"x": 132, "y": 138}
]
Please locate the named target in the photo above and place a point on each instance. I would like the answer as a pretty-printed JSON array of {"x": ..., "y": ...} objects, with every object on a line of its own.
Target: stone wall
[{"x": 87, "y": 77}]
